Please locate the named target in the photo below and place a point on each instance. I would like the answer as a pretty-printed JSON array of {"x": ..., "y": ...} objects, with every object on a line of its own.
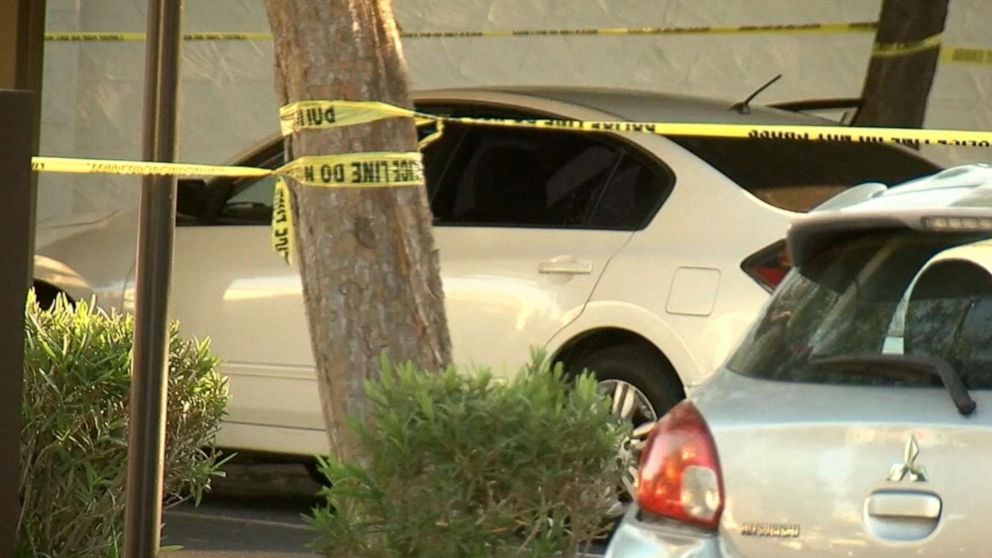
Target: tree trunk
[
  {"x": 371, "y": 281},
  {"x": 898, "y": 81}
]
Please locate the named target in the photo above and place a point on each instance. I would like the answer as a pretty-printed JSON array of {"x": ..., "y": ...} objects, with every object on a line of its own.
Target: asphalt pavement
[{"x": 257, "y": 511}]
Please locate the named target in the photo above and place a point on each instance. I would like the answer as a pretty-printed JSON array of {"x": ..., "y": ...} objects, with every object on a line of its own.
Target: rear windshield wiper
[{"x": 904, "y": 366}]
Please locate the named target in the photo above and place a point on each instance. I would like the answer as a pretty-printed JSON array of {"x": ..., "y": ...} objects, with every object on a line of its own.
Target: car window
[
  {"x": 798, "y": 176},
  {"x": 884, "y": 292},
  {"x": 496, "y": 176},
  {"x": 503, "y": 176},
  {"x": 258, "y": 192},
  {"x": 437, "y": 154},
  {"x": 632, "y": 196},
  {"x": 975, "y": 342},
  {"x": 249, "y": 200}
]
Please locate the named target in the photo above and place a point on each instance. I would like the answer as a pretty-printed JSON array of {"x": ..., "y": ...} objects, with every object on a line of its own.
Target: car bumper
[{"x": 635, "y": 538}]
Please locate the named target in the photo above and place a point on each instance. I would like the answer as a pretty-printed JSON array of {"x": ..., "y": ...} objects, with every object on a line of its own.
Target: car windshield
[{"x": 893, "y": 292}]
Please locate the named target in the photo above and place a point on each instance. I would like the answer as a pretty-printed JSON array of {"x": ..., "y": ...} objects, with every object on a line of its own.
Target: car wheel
[{"x": 642, "y": 386}]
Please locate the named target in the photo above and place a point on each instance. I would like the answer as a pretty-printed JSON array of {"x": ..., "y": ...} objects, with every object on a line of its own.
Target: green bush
[
  {"x": 466, "y": 466},
  {"x": 74, "y": 434}
]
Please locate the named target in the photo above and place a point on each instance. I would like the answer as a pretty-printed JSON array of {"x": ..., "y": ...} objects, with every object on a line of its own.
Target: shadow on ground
[{"x": 256, "y": 511}]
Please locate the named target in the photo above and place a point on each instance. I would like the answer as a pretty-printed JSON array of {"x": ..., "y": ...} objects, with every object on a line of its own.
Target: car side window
[
  {"x": 975, "y": 340},
  {"x": 633, "y": 196},
  {"x": 251, "y": 204},
  {"x": 249, "y": 200},
  {"x": 805, "y": 174},
  {"x": 524, "y": 177}
]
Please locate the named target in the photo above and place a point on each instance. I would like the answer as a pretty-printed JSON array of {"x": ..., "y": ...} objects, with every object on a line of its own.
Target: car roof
[
  {"x": 627, "y": 104},
  {"x": 958, "y": 199},
  {"x": 961, "y": 186}
]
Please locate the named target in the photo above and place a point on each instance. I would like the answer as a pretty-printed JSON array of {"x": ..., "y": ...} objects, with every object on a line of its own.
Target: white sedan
[{"x": 638, "y": 256}]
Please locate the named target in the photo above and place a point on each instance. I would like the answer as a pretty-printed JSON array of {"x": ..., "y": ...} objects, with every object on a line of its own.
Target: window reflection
[{"x": 892, "y": 292}]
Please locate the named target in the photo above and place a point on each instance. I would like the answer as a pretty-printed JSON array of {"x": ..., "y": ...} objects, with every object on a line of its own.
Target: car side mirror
[{"x": 191, "y": 197}]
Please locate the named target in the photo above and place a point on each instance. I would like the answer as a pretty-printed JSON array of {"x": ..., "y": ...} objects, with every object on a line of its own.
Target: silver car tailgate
[{"x": 855, "y": 471}]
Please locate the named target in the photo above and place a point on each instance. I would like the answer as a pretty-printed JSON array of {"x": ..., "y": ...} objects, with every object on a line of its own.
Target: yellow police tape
[
  {"x": 820, "y": 28},
  {"x": 327, "y": 114},
  {"x": 282, "y": 221},
  {"x": 887, "y": 50},
  {"x": 352, "y": 170},
  {"x": 308, "y": 115},
  {"x": 111, "y": 37},
  {"x": 386, "y": 169},
  {"x": 135, "y": 168},
  {"x": 962, "y": 55},
  {"x": 357, "y": 170},
  {"x": 824, "y": 28}
]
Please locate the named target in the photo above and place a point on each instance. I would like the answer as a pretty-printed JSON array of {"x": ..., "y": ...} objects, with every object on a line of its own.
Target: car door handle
[
  {"x": 565, "y": 264},
  {"x": 904, "y": 505}
]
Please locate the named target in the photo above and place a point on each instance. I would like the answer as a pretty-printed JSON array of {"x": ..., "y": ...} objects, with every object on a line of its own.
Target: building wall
[{"x": 92, "y": 94}]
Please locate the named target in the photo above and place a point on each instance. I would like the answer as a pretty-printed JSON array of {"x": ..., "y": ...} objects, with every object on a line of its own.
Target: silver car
[{"x": 855, "y": 419}]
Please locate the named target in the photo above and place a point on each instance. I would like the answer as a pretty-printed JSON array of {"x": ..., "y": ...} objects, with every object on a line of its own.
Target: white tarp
[{"x": 93, "y": 91}]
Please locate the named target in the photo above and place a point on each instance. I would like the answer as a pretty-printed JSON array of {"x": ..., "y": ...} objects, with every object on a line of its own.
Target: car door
[
  {"x": 526, "y": 221},
  {"x": 229, "y": 285}
]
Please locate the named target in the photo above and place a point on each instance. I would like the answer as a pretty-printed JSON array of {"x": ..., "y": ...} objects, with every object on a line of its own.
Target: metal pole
[
  {"x": 22, "y": 35},
  {"x": 17, "y": 112},
  {"x": 31, "y": 53},
  {"x": 149, "y": 370}
]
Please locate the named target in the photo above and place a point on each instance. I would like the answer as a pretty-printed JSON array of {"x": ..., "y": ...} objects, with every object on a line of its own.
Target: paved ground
[
  {"x": 235, "y": 531},
  {"x": 256, "y": 512}
]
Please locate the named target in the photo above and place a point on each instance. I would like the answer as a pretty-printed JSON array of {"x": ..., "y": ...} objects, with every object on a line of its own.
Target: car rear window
[
  {"x": 887, "y": 292},
  {"x": 798, "y": 176}
]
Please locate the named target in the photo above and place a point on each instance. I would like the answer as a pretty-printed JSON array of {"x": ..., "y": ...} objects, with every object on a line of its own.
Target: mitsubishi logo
[{"x": 909, "y": 468}]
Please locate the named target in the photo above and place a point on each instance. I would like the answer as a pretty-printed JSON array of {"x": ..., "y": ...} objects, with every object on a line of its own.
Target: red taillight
[
  {"x": 768, "y": 266},
  {"x": 679, "y": 476}
]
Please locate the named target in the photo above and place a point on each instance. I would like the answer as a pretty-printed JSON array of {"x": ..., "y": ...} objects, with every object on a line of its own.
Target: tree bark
[
  {"x": 897, "y": 86},
  {"x": 371, "y": 280}
]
